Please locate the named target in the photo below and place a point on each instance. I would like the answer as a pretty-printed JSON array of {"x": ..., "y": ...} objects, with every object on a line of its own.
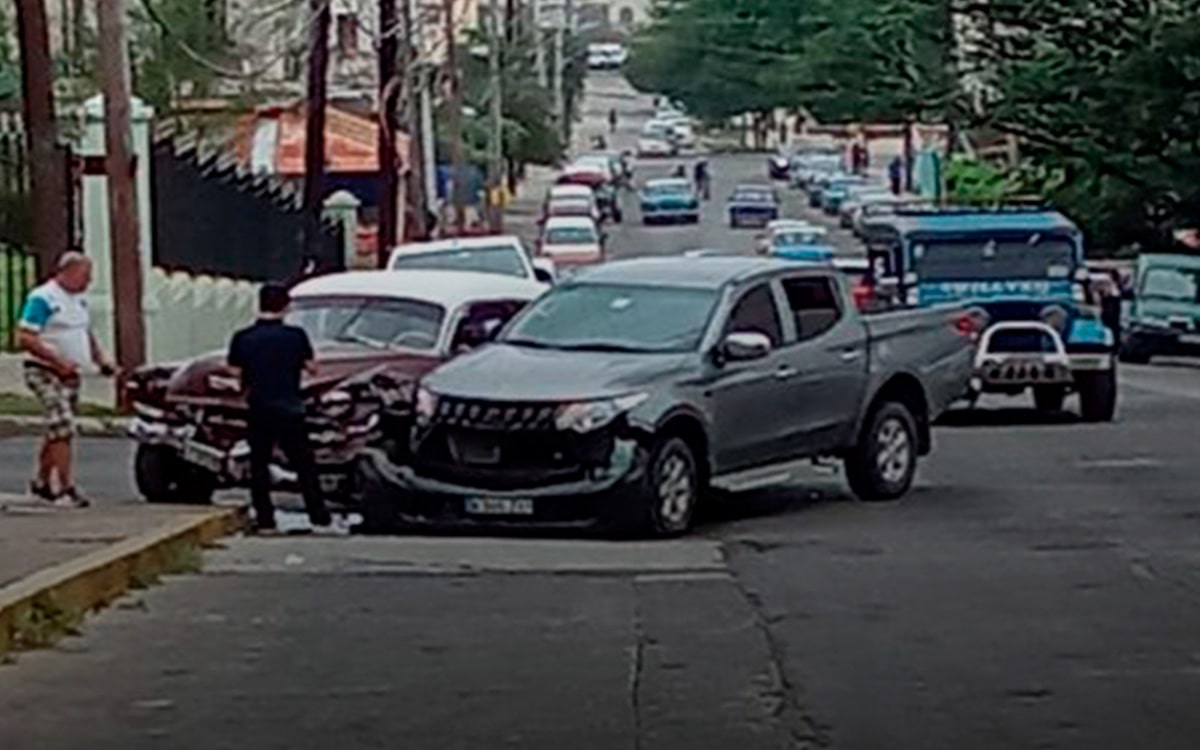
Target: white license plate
[
  {"x": 203, "y": 456},
  {"x": 1191, "y": 339},
  {"x": 499, "y": 506}
]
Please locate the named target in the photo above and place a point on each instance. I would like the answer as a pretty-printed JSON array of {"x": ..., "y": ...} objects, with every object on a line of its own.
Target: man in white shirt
[{"x": 56, "y": 335}]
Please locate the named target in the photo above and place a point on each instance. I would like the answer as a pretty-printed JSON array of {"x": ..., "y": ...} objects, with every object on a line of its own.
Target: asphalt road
[{"x": 1040, "y": 588}]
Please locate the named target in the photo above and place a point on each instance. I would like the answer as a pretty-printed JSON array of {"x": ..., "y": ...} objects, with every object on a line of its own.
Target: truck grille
[{"x": 506, "y": 446}]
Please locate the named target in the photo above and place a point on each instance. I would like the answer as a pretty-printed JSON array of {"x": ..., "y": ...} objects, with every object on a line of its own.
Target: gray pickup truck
[{"x": 625, "y": 394}]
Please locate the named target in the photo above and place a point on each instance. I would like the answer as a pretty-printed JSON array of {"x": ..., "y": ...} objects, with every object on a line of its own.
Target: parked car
[
  {"x": 599, "y": 177},
  {"x": 837, "y": 190},
  {"x": 625, "y": 394},
  {"x": 670, "y": 199},
  {"x": 1164, "y": 315},
  {"x": 752, "y": 206},
  {"x": 374, "y": 333},
  {"x": 808, "y": 168},
  {"x": 500, "y": 254},
  {"x": 571, "y": 242},
  {"x": 856, "y": 197},
  {"x": 649, "y": 147}
]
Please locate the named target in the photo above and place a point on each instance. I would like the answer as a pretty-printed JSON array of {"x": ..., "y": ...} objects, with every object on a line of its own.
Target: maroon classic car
[{"x": 374, "y": 332}]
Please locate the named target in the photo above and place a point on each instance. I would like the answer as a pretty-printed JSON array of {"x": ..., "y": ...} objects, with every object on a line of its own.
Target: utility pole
[
  {"x": 389, "y": 85},
  {"x": 314, "y": 139},
  {"x": 128, "y": 330},
  {"x": 417, "y": 197},
  {"x": 496, "y": 142},
  {"x": 560, "y": 101},
  {"x": 454, "y": 123},
  {"x": 47, "y": 170}
]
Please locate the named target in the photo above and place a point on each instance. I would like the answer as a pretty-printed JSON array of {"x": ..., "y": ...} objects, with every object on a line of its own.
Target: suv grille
[{"x": 506, "y": 446}]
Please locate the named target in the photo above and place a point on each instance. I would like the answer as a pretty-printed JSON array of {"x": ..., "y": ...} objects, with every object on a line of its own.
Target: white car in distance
[
  {"x": 571, "y": 242},
  {"x": 497, "y": 254}
]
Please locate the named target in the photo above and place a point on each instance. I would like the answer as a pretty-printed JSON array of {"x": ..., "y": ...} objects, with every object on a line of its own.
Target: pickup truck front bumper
[
  {"x": 1001, "y": 369},
  {"x": 395, "y": 495}
]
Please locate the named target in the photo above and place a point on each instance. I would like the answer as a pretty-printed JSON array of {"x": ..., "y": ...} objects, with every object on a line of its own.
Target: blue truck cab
[{"x": 1021, "y": 272}]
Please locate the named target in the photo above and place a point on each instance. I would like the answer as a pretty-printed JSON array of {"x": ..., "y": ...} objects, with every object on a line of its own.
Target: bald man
[{"x": 56, "y": 335}]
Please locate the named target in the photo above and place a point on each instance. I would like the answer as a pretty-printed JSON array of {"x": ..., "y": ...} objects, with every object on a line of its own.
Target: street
[{"x": 1040, "y": 588}]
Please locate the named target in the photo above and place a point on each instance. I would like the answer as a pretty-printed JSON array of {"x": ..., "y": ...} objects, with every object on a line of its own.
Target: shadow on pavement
[{"x": 1006, "y": 417}]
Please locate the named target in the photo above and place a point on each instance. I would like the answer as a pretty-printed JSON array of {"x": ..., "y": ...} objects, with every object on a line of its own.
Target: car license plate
[
  {"x": 499, "y": 506},
  {"x": 1191, "y": 339},
  {"x": 203, "y": 456}
]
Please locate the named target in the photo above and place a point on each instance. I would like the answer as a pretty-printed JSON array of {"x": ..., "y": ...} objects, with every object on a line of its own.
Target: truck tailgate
[{"x": 928, "y": 343}]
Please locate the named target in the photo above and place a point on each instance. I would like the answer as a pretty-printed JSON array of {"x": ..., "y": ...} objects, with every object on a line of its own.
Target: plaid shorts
[{"x": 59, "y": 401}]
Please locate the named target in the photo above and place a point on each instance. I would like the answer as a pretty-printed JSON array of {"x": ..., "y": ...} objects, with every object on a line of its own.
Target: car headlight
[
  {"x": 586, "y": 416},
  {"x": 1055, "y": 316},
  {"x": 426, "y": 404},
  {"x": 336, "y": 403}
]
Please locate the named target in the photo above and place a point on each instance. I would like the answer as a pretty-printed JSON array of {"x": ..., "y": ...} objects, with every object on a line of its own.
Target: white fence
[{"x": 190, "y": 315}]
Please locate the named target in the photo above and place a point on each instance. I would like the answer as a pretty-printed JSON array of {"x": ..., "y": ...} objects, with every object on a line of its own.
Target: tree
[
  {"x": 1108, "y": 92},
  {"x": 167, "y": 37}
]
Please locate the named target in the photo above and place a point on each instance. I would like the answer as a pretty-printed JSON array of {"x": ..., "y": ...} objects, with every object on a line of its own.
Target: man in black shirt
[{"x": 270, "y": 357}]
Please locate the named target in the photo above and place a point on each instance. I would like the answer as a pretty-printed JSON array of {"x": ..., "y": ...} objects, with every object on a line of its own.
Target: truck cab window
[
  {"x": 756, "y": 312},
  {"x": 814, "y": 306}
]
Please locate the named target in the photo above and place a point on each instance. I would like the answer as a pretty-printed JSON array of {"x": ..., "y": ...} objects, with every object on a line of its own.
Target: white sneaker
[{"x": 336, "y": 527}]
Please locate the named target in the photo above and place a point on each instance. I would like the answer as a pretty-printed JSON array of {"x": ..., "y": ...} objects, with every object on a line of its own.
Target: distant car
[
  {"x": 808, "y": 167},
  {"x": 606, "y": 55},
  {"x": 752, "y": 206},
  {"x": 837, "y": 191},
  {"x": 598, "y": 176},
  {"x": 571, "y": 241},
  {"x": 801, "y": 243},
  {"x": 499, "y": 254},
  {"x": 779, "y": 166},
  {"x": 856, "y": 197},
  {"x": 652, "y": 147},
  {"x": 577, "y": 207},
  {"x": 669, "y": 200}
]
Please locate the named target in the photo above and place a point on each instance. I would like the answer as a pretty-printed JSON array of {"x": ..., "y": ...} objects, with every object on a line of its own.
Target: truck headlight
[
  {"x": 426, "y": 404},
  {"x": 586, "y": 416}
]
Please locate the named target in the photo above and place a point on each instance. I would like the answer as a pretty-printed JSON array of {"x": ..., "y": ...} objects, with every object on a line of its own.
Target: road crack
[
  {"x": 637, "y": 662},
  {"x": 805, "y": 730}
]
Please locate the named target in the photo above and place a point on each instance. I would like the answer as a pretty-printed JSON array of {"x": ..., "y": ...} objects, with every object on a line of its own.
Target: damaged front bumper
[
  {"x": 334, "y": 451},
  {"x": 398, "y": 495}
]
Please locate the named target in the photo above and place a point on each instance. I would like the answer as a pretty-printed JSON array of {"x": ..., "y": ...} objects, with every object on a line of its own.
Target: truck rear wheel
[
  {"x": 162, "y": 477},
  {"x": 1049, "y": 398},
  {"x": 1097, "y": 395},
  {"x": 883, "y": 463}
]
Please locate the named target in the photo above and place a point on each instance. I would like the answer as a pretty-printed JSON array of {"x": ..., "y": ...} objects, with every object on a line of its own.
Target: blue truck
[{"x": 1021, "y": 272}]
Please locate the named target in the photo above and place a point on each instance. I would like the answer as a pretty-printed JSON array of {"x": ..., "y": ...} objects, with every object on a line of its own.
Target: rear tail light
[{"x": 862, "y": 296}]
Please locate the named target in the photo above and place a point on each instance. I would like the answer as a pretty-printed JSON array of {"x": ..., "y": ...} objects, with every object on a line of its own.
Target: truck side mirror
[{"x": 744, "y": 346}]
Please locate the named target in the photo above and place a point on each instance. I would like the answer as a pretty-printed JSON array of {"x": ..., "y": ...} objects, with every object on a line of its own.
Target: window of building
[{"x": 347, "y": 35}]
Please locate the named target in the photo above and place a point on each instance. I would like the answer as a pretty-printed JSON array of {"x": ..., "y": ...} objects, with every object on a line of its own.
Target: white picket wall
[{"x": 190, "y": 315}]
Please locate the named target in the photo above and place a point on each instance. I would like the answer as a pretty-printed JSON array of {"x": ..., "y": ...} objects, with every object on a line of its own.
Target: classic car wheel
[
  {"x": 1048, "y": 399},
  {"x": 162, "y": 477},
  {"x": 1097, "y": 395},
  {"x": 671, "y": 489},
  {"x": 881, "y": 466}
]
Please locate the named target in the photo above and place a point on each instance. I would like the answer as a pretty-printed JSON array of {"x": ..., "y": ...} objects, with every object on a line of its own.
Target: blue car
[
  {"x": 837, "y": 191},
  {"x": 670, "y": 200},
  {"x": 801, "y": 243},
  {"x": 752, "y": 206}
]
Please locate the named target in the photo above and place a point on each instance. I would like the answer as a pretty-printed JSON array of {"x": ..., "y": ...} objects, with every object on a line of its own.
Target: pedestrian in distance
[
  {"x": 612, "y": 120},
  {"x": 270, "y": 357},
  {"x": 700, "y": 175},
  {"x": 56, "y": 336},
  {"x": 896, "y": 175}
]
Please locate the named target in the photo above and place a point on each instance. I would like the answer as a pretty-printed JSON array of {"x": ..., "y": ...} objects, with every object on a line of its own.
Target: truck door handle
[
  {"x": 784, "y": 372},
  {"x": 849, "y": 355}
]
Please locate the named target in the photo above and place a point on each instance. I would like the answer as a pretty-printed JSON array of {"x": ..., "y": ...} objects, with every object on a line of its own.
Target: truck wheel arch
[
  {"x": 691, "y": 429},
  {"x": 905, "y": 389}
]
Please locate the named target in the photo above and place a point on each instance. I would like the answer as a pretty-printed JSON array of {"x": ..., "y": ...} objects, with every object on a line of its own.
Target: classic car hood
[
  {"x": 336, "y": 362},
  {"x": 1150, "y": 307},
  {"x": 509, "y": 373}
]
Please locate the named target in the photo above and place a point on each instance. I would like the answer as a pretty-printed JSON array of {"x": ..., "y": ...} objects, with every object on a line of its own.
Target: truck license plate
[
  {"x": 203, "y": 456},
  {"x": 499, "y": 506}
]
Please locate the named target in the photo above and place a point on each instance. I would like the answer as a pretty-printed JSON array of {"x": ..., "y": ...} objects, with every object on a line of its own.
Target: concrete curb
[
  {"x": 12, "y": 425},
  {"x": 58, "y": 598}
]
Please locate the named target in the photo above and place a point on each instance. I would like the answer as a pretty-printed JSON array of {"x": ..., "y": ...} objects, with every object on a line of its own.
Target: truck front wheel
[
  {"x": 882, "y": 464},
  {"x": 162, "y": 476},
  {"x": 671, "y": 489},
  {"x": 1097, "y": 395}
]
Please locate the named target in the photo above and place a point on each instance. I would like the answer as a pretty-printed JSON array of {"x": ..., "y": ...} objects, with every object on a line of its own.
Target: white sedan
[
  {"x": 655, "y": 147},
  {"x": 571, "y": 241}
]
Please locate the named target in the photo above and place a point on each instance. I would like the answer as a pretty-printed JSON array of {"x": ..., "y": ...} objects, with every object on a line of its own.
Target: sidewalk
[{"x": 58, "y": 565}]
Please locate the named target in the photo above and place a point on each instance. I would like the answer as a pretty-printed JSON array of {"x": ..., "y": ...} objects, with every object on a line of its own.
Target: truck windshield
[
  {"x": 1172, "y": 284},
  {"x": 370, "y": 321},
  {"x": 615, "y": 317},
  {"x": 499, "y": 259},
  {"x": 985, "y": 259}
]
